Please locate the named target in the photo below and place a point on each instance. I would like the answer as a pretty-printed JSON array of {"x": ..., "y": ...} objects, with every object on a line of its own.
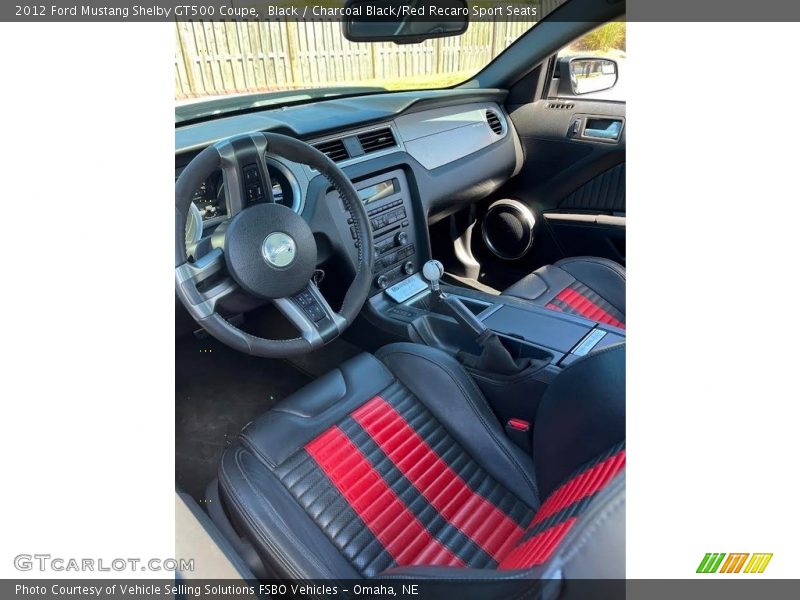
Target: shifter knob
[{"x": 433, "y": 271}]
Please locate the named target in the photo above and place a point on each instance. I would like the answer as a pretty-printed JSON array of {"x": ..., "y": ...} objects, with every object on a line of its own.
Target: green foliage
[{"x": 609, "y": 36}]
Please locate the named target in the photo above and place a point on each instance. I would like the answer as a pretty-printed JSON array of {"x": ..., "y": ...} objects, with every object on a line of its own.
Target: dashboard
[{"x": 414, "y": 158}]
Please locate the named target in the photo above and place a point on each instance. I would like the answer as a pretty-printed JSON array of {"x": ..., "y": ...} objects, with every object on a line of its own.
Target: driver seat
[{"x": 394, "y": 466}]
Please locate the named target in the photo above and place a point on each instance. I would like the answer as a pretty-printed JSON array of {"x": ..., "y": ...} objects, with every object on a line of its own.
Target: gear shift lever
[
  {"x": 495, "y": 357},
  {"x": 433, "y": 271}
]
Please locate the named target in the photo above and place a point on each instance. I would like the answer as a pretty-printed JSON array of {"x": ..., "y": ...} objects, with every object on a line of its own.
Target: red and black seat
[
  {"x": 394, "y": 466},
  {"x": 591, "y": 287}
]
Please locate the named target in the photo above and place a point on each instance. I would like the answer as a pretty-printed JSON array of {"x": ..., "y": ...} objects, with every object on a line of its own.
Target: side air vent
[
  {"x": 561, "y": 105},
  {"x": 379, "y": 139},
  {"x": 334, "y": 149},
  {"x": 494, "y": 122}
]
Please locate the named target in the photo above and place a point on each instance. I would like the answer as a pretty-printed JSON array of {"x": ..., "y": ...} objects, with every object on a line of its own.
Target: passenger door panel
[{"x": 573, "y": 178}]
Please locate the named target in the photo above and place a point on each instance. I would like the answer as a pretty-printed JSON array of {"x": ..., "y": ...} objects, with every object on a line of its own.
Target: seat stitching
[
  {"x": 282, "y": 524},
  {"x": 251, "y": 445},
  {"x": 236, "y": 498}
]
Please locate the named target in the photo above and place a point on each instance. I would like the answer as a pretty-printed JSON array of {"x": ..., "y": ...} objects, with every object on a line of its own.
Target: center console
[
  {"x": 542, "y": 341},
  {"x": 563, "y": 337},
  {"x": 387, "y": 199}
]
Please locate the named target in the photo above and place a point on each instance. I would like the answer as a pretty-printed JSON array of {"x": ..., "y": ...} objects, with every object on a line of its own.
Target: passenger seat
[{"x": 593, "y": 288}]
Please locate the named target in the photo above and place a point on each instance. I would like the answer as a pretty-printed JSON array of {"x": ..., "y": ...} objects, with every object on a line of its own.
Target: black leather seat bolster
[
  {"x": 262, "y": 510},
  {"x": 259, "y": 504},
  {"x": 597, "y": 542},
  {"x": 443, "y": 386},
  {"x": 307, "y": 413},
  {"x": 581, "y": 416},
  {"x": 542, "y": 285},
  {"x": 605, "y": 277}
]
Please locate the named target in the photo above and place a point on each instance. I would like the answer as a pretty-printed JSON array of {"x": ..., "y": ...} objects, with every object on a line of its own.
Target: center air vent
[
  {"x": 494, "y": 122},
  {"x": 378, "y": 139},
  {"x": 333, "y": 149}
]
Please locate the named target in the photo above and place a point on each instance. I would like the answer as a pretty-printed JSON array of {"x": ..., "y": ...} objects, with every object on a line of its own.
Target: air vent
[
  {"x": 561, "y": 105},
  {"x": 333, "y": 149},
  {"x": 379, "y": 139},
  {"x": 494, "y": 122}
]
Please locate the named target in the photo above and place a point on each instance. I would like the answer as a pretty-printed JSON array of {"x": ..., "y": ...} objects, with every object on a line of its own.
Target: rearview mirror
[
  {"x": 587, "y": 75},
  {"x": 403, "y": 21}
]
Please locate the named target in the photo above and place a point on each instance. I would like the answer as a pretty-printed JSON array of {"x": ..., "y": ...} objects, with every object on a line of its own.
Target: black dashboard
[{"x": 413, "y": 157}]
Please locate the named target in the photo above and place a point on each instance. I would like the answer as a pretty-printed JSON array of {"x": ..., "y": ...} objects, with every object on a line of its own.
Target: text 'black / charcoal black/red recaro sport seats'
[
  {"x": 394, "y": 466},
  {"x": 591, "y": 287}
]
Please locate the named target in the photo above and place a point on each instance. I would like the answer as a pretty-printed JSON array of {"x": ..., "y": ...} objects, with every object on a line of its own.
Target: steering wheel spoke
[
  {"x": 245, "y": 172},
  {"x": 311, "y": 315},
  {"x": 265, "y": 250},
  {"x": 195, "y": 280}
]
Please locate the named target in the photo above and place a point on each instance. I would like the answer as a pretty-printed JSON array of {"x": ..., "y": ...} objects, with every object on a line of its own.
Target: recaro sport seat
[
  {"x": 394, "y": 465},
  {"x": 587, "y": 286}
]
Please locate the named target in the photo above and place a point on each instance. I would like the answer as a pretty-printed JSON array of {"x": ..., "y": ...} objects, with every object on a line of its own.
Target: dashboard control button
[
  {"x": 408, "y": 268},
  {"x": 401, "y": 239},
  {"x": 315, "y": 312},
  {"x": 255, "y": 192},
  {"x": 382, "y": 281},
  {"x": 304, "y": 298},
  {"x": 251, "y": 175}
]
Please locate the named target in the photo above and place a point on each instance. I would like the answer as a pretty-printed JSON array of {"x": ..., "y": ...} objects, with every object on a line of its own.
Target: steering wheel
[{"x": 266, "y": 249}]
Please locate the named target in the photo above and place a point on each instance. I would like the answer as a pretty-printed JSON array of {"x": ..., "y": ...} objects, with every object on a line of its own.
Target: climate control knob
[
  {"x": 408, "y": 267},
  {"x": 401, "y": 239},
  {"x": 382, "y": 281}
]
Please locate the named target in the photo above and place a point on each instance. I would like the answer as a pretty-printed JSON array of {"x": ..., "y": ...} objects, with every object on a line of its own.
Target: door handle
[{"x": 603, "y": 128}]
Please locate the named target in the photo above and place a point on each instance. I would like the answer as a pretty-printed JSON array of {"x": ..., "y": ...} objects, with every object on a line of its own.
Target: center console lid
[{"x": 536, "y": 326}]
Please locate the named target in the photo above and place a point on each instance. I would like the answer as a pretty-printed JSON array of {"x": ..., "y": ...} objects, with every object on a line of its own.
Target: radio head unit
[
  {"x": 388, "y": 203},
  {"x": 379, "y": 191}
]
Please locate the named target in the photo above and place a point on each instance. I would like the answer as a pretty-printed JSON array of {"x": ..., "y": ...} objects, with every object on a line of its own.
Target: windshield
[{"x": 223, "y": 67}]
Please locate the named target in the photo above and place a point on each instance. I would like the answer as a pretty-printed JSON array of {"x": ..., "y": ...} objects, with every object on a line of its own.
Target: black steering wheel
[{"x": 266, "y": 249}]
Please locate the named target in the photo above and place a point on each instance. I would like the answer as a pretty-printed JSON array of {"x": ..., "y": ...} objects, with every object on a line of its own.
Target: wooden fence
[{"x": 221, "y": 57}]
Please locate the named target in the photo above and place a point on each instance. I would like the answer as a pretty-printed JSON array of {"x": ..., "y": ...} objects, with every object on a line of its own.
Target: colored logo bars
[{"x": 734, "y": 563}]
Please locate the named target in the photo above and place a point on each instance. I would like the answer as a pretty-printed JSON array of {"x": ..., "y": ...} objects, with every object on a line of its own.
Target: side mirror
[
  {"x": 587, "y": 75},
  {"x": 403, "y": 21}
]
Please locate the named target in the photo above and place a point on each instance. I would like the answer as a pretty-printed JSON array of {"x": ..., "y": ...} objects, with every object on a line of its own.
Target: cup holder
[
  {"x": 451, "y": 337},
  {"x": 522, "y": 349}
]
